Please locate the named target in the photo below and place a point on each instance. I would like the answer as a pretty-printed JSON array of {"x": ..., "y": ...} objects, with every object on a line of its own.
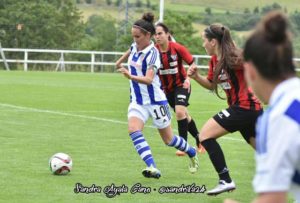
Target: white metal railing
[{"x": 92, "y": 62}]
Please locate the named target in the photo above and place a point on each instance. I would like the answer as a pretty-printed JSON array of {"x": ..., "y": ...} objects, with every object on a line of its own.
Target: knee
[
  {"x": 132, "y": 129},
  {"x": 180, "y": 114},
  {"x": 202, "y": 138},
  {"x": 203, "y": 135}
]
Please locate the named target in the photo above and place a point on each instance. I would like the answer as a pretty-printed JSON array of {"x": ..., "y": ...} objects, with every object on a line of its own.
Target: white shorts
[{"x": 160, "y": 114}]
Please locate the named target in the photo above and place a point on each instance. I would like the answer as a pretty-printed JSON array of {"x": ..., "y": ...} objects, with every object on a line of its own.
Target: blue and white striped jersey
[
  {"x": 138, "y": 63},
  {"x": 278, "y": 142}
]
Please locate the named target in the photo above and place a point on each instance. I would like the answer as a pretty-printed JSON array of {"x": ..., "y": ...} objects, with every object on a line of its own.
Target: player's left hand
[
  {"x": 187, "y": 84},
  {"x": 125, "y": 72}
]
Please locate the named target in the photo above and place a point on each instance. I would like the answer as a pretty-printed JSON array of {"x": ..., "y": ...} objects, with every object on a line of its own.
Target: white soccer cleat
[
  {"x": 194, "y": 164},
  {"x": 223, "y": 186},
  {"x": 151, "y": 172}
]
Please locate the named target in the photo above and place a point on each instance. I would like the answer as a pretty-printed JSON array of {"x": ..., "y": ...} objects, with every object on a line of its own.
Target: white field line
[
  {"x": 89, "y": 111},
  {"x": 85, "y": 117}
]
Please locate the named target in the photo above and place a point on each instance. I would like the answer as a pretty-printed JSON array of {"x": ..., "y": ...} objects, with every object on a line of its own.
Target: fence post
[
  {"x": 25, "y": 60},
  {"x": 92, "y": 62},
  {"x": 61, "y": 63},
  {"x": 102, "y": 58},
  {"x": 3, "y": 57}
]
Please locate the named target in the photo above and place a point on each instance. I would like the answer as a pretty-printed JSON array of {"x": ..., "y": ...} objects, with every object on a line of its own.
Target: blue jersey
[
  {"x": 278, "y": 142},
  {"x": 138, "y": 63}
]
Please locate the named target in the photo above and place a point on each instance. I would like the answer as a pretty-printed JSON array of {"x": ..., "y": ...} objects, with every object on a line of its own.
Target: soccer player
[
  {"x": 175, "y": 82},
  {"x": 147, "y": 98},
  {"x": 269, "y": 64},
  {"x": 226, "y": 70}
]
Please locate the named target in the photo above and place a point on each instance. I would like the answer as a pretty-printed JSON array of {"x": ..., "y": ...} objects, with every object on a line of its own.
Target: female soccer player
[
  {"x": 226, "y": 70},
  {"x": 269, "y": 64},
  {"x": 147, "y": 98},
  {"x": 175, "y": 82}
]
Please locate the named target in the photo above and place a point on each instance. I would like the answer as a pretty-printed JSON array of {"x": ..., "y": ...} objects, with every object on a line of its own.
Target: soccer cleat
[
  {"x": 180, "y": 153},
  {"x": 194, "y": 164},
  {"x": 151, "y": 172},
  {"x": 223, "y": 186},
  {"x": 201, "y": 149}
]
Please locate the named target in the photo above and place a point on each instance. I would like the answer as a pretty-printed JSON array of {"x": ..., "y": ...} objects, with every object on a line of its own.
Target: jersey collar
[
  {"x": 146, "y": 50},
  {"x": 284, "y": 87}
]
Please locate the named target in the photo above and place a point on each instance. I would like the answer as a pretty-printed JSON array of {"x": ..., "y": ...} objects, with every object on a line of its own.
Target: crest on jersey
[{"x": 174, "y": 57}]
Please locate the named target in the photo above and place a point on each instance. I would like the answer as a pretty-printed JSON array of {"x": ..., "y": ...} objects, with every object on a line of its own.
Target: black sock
[
  {"x": 217, "y": 158},
  {"x": 192, "y": 128},
  {"x": 183, "y": 128}
]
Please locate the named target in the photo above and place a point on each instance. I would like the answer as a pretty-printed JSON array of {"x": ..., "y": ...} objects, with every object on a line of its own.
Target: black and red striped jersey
[
  {"x": 172, "y": 73},
  {"x": 235, "y": 87}
]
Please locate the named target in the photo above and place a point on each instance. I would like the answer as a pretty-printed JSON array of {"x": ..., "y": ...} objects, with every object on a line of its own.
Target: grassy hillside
[
  {"x": 232, "y": 5},
  {"x": 217, "y": 6}
]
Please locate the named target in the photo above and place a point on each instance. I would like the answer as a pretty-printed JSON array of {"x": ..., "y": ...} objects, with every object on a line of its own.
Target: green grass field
[{"x": 85, "y": 116}]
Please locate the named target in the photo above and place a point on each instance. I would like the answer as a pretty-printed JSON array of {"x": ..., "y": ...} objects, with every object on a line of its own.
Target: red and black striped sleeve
[{"x": 184, "y": 53}]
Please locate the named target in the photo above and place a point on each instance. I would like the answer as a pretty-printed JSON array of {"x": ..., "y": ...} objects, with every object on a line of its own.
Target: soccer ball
[{"x": 60, "y": 164}]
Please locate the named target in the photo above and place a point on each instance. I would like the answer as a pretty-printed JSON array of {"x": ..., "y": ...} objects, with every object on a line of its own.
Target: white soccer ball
[{"x": 60, "y": 164}]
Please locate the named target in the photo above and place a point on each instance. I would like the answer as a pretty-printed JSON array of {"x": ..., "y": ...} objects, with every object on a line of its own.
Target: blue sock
[
  {"x": 142, "y": 147},
  {"x": 180, "y": 144}
]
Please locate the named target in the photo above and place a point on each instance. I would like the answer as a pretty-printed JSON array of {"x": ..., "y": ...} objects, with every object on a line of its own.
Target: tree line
[{"x": 57, "y": 24}]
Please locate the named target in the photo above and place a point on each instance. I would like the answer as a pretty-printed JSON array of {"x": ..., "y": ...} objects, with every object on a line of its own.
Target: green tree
[
  {"x": 208, "y": 10},
  {"x": 268, "y": 8},
  {"x": 118, "y": 2},
  {"x": 295, "y": 19},
  {"x": 148, "y": 4},
  {"x": 100, "y": 34},
  {"x": 138, "y": 3},
  {"x": 183, "y": 31},
  {"x": 108, "y": 2},
  {"x": 47, "y": 24},
  {"x": 256, "y": 10},
  {"x": 247, "y": 11},
  {"x": 276, "y": 6}
]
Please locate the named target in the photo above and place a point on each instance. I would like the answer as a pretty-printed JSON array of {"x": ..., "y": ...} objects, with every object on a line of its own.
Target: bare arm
[
  {"x": 270, "y": 197},
  {"x": 203, "y": 81},
  {"x": 147, "y": 79},
  {"x": 122, "y": 59}
]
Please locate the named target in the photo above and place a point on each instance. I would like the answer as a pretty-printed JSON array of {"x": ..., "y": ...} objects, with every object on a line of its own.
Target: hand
[
  {"x": 192, "y": 71},
  {"x": 125, "y": 72},
  {"x": 187, "y": 84},
  {"x": 119, "y": 66}
]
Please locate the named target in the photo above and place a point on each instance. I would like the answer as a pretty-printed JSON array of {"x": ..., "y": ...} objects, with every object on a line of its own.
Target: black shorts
[
  {"x": 180, "y": 96},
  {"x": 238, "y": 119}
]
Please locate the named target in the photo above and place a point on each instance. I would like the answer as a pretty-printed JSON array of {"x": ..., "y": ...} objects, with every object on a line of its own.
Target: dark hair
[
  {"x": 231, "y": 56},
  {"x": 146, "y": 23},
  {"x": 270, "y": 48},
  {"x": 165, "y": 28}
]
